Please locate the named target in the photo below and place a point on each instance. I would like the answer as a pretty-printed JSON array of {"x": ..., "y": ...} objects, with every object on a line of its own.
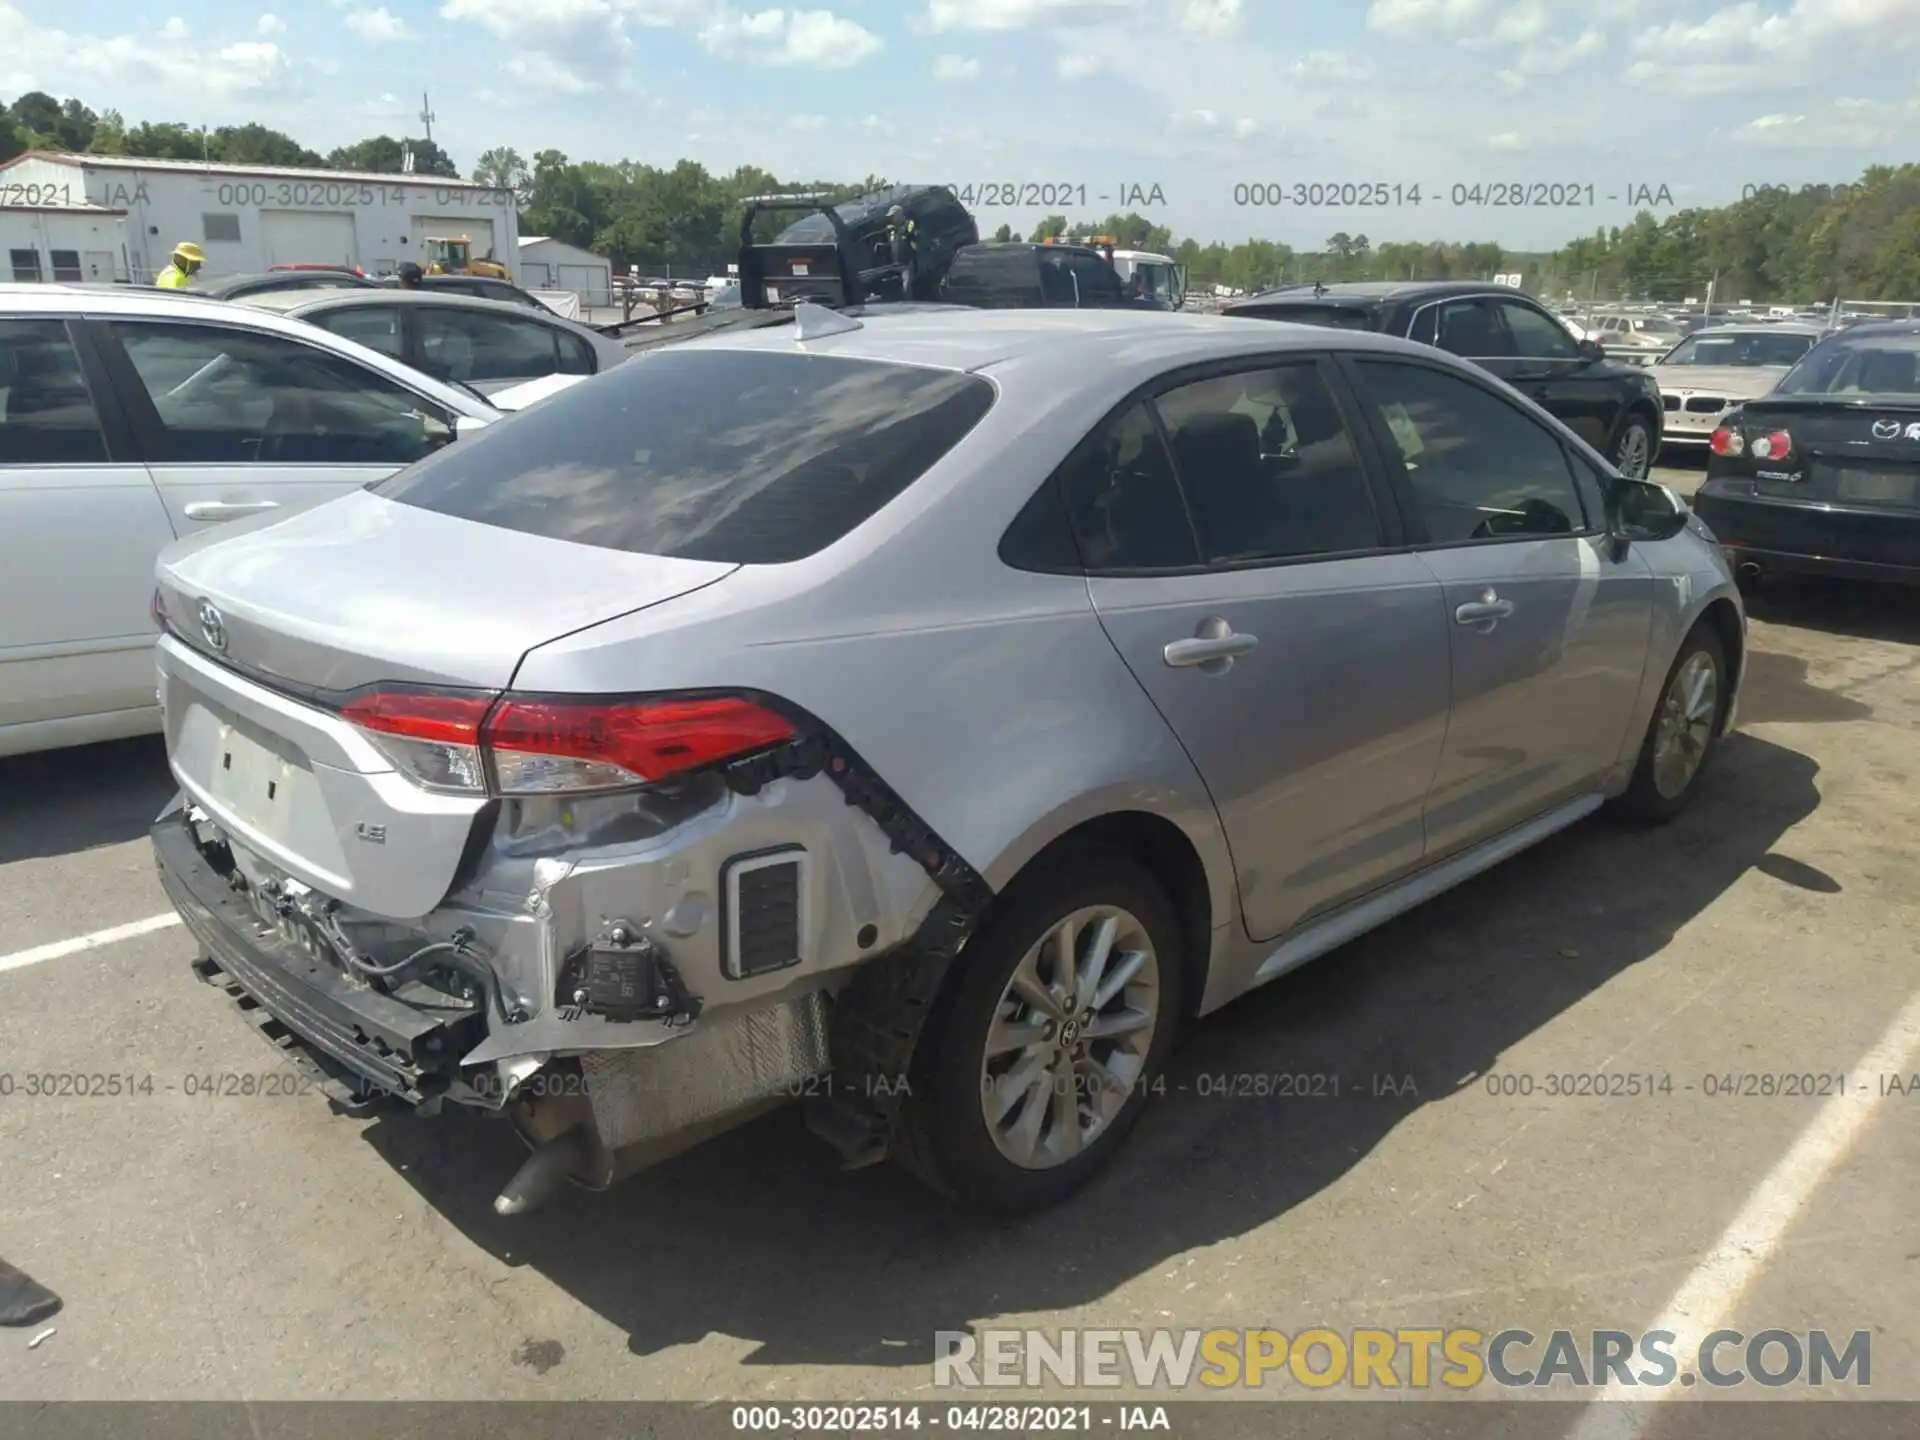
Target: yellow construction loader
[{"x": 454, "y": 256}]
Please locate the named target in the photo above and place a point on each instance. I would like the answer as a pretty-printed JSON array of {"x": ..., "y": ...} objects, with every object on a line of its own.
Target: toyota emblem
[
  {"x": 212, "y": 628},
  {"x": 1886, "y": 429}
]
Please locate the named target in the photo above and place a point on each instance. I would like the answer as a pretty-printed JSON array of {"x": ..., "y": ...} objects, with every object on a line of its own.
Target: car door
[
  {"x": 236, "y": 422},
  {"x": 1244, "y": 563},
  {"x": 80, "y": 526},
  {"x": 490, "y": 347},
  {"x": 1548, "y": 624},
  {"x": 1549, "y": 368}
]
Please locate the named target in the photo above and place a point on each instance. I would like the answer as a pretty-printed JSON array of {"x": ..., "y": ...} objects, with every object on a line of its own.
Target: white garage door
[
  {"x": 307, "y": 237},
  {"x": 477, "y": 228}
]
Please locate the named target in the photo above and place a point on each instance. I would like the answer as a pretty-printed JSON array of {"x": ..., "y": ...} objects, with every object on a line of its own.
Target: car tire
[
  {"x": 1682, "y": 734},
  {"x": 1633, "y": 447},
  {"x": 989, "y": 1126}
]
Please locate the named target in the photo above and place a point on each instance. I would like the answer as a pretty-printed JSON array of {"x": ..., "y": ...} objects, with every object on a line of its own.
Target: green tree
[
  {"x": 502, "y": 168},
  {"x": 384, "y": 155}
]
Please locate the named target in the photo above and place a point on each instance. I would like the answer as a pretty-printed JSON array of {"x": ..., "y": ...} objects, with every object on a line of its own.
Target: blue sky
[{"x": 1196, "y": 97}]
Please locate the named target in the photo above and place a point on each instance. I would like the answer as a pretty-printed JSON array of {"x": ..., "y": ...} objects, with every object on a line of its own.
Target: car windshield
[
  {"x": 1852, "y": 364},
  {"x": 740, "y": 456},
  {"x": 1761, "y": 347}
]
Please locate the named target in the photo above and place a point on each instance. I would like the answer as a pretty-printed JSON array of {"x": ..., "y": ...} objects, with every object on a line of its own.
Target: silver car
[
  {"x": 479, "y": 343},
  {"x": 918, "y": 714},
  {"x": 1715, "y": 369},
  {"x": 130, "y": 418}
]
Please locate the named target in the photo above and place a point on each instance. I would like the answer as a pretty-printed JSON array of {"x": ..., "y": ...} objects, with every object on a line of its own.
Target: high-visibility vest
[{"x": 172, "y": 278}]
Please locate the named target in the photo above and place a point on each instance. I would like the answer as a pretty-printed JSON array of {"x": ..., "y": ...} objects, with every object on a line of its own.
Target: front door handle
[
  {"x": 1212, "y": 648},
  {"x": 229, "y": 509},
  {"x": 1489, "y": 607}
]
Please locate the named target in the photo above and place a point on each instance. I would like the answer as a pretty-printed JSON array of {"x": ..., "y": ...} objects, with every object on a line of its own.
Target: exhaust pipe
[
  {"x": 1748, "y": 570},
  {"x": 550, "y": 1166}
]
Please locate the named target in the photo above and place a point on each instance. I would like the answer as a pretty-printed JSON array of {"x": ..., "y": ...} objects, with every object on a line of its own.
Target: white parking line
[
  {"x": 1707, "y": 1297},
  {"x": 58, "y": 948}
]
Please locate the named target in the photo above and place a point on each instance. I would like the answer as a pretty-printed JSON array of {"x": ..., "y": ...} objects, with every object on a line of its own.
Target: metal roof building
[{"x": 249, "y": 218}]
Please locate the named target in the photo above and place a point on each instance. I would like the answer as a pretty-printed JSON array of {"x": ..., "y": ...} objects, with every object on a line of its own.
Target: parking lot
[{"x": 221, "y": 1247}]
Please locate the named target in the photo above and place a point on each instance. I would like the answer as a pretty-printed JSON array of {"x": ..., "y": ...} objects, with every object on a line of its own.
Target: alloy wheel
[
  {"x": 1687, "y": 713},
  {"x": 1635, "y": 457},
  {"x": 1070, "y": 1037}
]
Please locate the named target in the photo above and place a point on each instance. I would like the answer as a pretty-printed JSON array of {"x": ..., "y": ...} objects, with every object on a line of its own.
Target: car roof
[
  {"x": 1878, "y": 328},
  {"x": 294, "y": 301},
  {"x": 1362, "y": 292},
  {"x": 1091, "y": 346},
  {"x": 109, "y": 299}
]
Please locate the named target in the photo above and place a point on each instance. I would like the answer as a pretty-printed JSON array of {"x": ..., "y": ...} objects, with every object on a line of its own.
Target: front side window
[
  {"x": 46, "y": 412},
  {"x": 1123, "y": 500},
  {"x": 1097, "y": 279},
  {"x": 236, "y": 396},
  {"x": 1472, "y": 328},
  {"x": 477, "y": 345},
  {"x": 1057, "y": 286},
  {"x": 745, "y": 457},
  {"x": 1479, "y": 469},
  {"x": 1267, "y": 466},
  {"x": 1536, "y": 336}
]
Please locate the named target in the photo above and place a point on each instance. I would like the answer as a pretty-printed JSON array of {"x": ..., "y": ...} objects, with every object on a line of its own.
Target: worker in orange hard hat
[{"x": 187, "y": 260}]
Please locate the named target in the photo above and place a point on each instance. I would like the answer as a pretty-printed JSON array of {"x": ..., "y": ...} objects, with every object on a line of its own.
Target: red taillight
[
  {"x": 547, "y": 746},
  {"x": 1726, "y": 441},
  {"x": 550, "y": 747},
  {"x": 1776, "y": 446}
]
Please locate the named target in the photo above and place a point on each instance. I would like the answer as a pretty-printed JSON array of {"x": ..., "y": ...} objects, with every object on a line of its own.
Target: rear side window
[
  {"x": 1124, "y": 502},
  {"x": 737, "y": 456},
  {"x": 46, "y": 412}
]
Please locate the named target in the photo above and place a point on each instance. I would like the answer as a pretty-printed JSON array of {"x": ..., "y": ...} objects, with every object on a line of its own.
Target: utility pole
[{"x": 427, "y": 116}]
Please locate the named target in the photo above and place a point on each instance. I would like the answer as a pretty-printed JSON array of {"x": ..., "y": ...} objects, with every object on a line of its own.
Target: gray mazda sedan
[{"x": 916, "y": 715}]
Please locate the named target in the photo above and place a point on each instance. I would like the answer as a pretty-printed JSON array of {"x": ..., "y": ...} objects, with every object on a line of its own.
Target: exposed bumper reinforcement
[{"x": 363, "y": 1042}]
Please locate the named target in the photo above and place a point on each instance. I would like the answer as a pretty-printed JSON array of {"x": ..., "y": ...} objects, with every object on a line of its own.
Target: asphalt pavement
[{"x": 257, "y": 1246}]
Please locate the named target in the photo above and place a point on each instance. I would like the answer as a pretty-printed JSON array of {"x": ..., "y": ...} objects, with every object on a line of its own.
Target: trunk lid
[
  {"x": 363, "y": 590},
  {"x": 268, "y": 623},
  {"x": 1845, "y": 452}
]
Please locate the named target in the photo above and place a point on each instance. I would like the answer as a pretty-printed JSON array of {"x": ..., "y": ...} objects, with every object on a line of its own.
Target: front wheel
[
  {"x": 1682, "y": 734},
  {"x": 1041, "y": 1055},
  {"x": 1633, "y": 451}
]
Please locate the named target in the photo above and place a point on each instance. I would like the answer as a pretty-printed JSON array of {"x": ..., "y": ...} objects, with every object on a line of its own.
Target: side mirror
[
  {"x": 1592, "y": 350},
  {"x": 1643, "y": 510}
]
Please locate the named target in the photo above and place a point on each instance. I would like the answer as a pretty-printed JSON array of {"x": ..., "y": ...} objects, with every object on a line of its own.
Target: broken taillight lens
[{"x": 558, "y": 746}]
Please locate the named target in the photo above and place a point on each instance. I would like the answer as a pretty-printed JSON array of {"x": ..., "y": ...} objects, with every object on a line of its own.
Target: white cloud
[
  {"x": 816, "y": 38},
  {"x": 1837, "y": 124},
  {"x": 1244, "y": 127},
  {"x": 1208, "y": 17},
  {"x": 162, "y": 66},
  {"x": 1331, "y": 65},
  {"x": 529, "y": 20},
  {"x": 174, "y": 29},
  {"x": 376, "y": 25},
  {"x": 807, "y": 122},
  {"x": 1020, "y": 14},
  {"x": 956, "y": 67},
  {"x": 1750, "y": 44},
  {"x": 1507, "y": 140},
  {"x": 269, "y": 25},
  {"x": 541, "y": 71},
  {"x": 1427, "y": 17},
  {"x": 1076, "y": 66}
]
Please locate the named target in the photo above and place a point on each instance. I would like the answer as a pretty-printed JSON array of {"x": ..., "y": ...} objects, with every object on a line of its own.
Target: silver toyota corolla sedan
[{"x": 917, "y": 714}]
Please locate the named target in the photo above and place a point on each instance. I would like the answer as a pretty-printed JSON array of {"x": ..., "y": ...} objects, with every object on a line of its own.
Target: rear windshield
[
  {"x": 1339, "y": 317},
  {"x": 1852, "y": 364},
  {"x": 743, "y": 457}
]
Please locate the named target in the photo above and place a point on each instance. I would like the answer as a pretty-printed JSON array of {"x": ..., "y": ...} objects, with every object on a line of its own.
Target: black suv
[
  {"x": 1613, "y": 407},
  {"x": 1022, "y": 275}
]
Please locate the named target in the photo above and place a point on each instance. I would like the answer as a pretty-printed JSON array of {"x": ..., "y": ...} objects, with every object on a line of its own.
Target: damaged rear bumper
[{"x": 363, "y": 1042}]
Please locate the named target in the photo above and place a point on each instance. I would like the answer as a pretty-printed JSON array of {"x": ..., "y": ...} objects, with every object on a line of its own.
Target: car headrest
[{"x": 1217, "y": 444}]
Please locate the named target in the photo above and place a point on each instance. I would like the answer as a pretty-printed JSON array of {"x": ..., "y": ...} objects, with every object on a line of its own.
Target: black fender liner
[{"x": 879, "y": 1014}]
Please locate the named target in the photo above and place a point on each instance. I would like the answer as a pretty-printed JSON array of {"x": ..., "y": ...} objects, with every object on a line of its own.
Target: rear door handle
[
  {"x": 229, "y": 509},
  {"x": 1202, "y": 650}
]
